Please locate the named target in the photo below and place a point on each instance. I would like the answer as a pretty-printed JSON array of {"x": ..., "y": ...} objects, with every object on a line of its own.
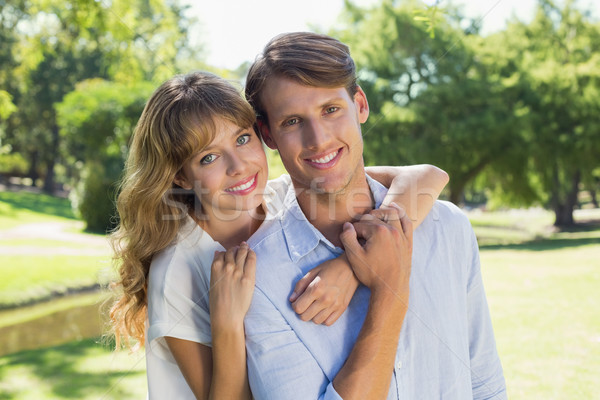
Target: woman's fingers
[
  {"x": 242, "y": 252},
  {"x": 250, "y": 266}
]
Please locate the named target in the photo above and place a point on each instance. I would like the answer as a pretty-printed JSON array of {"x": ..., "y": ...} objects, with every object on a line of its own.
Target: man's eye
[
  {"x": 330, "y": 110},
  {"x": 291, "y": 121},
  {"x": 207, "y": 159},
  {"x": 243, "y": 139}
]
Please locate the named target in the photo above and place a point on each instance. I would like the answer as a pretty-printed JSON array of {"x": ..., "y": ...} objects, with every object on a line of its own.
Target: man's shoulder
[
  {"x": 448, "y": 210},
  {"x": 446, "y": 216}
]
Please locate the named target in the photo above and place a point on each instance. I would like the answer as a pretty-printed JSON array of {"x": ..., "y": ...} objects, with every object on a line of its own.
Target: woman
[{"x": 181, "y": 200}]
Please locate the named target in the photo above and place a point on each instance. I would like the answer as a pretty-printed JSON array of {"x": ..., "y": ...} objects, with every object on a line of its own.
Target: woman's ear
[
  {"x": 181, "y": 181},
  {"x": 265, "y": 133}
]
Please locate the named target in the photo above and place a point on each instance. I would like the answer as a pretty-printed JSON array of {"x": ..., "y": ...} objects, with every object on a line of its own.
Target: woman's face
[{"x": 230, "y": 174}]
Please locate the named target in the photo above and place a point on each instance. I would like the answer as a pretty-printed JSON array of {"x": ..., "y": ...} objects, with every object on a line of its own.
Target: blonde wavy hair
[{"x": 177, "y": 122}]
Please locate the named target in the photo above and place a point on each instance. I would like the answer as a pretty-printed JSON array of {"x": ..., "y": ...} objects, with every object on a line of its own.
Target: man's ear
[
  {"x": 265, "y": 133},
  {"x": 181, "y": 181},
  {"x": 362, "y": 105}
]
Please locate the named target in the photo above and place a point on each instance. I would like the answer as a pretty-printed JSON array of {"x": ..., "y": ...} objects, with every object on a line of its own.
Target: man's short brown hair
[{"x": 307, "y": 58}]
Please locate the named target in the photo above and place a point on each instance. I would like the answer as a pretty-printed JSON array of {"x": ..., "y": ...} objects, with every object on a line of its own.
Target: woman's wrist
[{"x": 227, "y": 328}]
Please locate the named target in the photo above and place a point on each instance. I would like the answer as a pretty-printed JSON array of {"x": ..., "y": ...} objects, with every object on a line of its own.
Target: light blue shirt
[{"x": 446, "y": 348}]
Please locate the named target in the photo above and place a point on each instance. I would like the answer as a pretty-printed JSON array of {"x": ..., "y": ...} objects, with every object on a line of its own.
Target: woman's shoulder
[{"x": 191, "y": 253}]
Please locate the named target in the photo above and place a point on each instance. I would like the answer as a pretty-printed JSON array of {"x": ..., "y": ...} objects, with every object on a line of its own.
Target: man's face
[{"x": 317, "y": 132}]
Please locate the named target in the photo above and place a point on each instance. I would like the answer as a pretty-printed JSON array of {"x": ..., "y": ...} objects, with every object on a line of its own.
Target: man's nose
[{"x": 315, "y": 135}]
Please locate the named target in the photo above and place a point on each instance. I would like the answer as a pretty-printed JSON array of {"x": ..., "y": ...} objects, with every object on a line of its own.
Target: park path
[{"x": 74, "y": 243}]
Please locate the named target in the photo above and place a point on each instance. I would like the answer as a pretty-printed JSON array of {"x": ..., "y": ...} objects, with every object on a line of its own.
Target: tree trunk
[
  {"x": 456, "y": 193},
  {"x": 563, "y": 211},
  {"x": 33, "y": 174},
  {"x": 49, "y": 178},
  {"x": 594, "y": 197}
]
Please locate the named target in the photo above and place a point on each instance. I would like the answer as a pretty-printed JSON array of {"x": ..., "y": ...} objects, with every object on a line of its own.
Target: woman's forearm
[
  {"x": 229, "y": 378},
  {"x": 414, "y": 187}
]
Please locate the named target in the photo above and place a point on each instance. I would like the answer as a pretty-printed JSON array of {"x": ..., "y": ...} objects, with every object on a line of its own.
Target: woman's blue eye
[
  {"x": 207, "y": 159},
  {"x": 243, "y": 139}
]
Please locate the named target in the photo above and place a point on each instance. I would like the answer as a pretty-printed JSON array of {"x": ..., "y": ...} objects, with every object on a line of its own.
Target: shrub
[
  {"x": 93, "y": 198},
  {"x": 13, "y": 164}
]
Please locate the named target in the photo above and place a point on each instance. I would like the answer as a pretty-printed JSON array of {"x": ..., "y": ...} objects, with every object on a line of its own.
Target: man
[{"x": 419, "y": 326}]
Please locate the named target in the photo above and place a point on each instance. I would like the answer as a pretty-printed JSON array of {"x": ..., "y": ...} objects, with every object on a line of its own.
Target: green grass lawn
[
  {"x": 30, "y": 269},
  {"x": 82, "y": 370},
  {"x": 17, "y": 208},
  {"x": 543, "y": 296},
  {"x": 32, "y": 277}
]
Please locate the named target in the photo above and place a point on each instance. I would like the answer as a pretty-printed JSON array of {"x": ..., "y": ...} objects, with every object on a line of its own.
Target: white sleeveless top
[{"x": 178, "y": 284}]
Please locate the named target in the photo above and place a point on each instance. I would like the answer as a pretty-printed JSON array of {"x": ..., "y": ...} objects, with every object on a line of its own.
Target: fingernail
[
  {"x": 347, "y": 225},
  {"x": 293, "y": 296}
]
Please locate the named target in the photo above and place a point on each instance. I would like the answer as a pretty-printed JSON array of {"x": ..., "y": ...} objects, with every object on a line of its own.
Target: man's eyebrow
[{"x": 335, "y": 100}]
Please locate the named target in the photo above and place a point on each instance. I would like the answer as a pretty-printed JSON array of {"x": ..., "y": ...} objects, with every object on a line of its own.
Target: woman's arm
[
  {"x": 221, "y": 373},
  {"x": 323, "y": 294},
  {"x": 414, "y": 187}
]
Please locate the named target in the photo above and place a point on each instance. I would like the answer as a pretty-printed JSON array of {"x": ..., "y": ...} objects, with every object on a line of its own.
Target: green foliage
[
  {"x": 98, "y": 117},
  {"x": 555, "y": 63},
  {"x": 94, "y": 196},
  {"x": 97, "y": 120},
  {"x": 431, "y": 99},
  {"x": 12, "y": 163},
  {"x": 53, "y": 45},
  {"x": 512, "y": 115},
  {"x": 6, "y": 105}
]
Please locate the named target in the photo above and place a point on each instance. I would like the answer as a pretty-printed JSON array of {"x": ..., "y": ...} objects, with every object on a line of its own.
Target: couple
[{"x": 221, "y": 269}]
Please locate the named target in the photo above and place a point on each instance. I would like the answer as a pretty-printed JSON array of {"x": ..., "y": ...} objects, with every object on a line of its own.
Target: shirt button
[{"x": 399, "y": 364}]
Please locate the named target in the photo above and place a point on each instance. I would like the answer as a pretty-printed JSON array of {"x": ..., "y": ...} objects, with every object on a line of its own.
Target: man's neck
[{"x": 328, "y": 212}]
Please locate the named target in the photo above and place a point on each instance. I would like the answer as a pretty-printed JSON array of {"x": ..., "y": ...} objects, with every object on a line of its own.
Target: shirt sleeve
[
  {"x": 177, "y": 303},
  {"x": 487, "y": 377},
  {"x": 279, "y": 364}
]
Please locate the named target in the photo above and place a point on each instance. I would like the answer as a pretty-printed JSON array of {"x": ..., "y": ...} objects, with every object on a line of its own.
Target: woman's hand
[
  {"x": 323, "y": 294},
  {"x": 231, "y": 287}
]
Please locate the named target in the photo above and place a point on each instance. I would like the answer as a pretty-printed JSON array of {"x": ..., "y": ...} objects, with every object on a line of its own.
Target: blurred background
[{"x": 504, "y": 95}]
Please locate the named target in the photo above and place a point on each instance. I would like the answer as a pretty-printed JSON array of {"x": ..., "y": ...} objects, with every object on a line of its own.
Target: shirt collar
[{"x": 300, "y": 235}]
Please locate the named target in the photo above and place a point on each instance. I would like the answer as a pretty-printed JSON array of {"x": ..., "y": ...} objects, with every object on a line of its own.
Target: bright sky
[{"x": 234, "y": 31}]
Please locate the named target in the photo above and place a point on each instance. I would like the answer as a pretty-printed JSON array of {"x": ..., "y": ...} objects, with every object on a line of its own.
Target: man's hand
[
  {"x": 323, "y": 294},
  {"x": 383, "y": 262}
]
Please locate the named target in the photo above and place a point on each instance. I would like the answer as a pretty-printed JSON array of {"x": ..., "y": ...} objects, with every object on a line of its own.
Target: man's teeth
[
  {"x": 242, "y": 187},
  {"x": 325, "y": 159}
]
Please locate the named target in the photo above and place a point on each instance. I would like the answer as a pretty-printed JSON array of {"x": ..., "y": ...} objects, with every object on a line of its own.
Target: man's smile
[{"x": 325, "y": 161}]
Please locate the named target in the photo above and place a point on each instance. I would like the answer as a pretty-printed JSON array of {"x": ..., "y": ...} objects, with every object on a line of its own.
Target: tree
[
  {"x": 97, "y": 120},
  {"x": 558, "y": 56},
  {"x": 518, "y": 109},
  {"x": 431, "y": 98},
  {"x": 64, "y": 43}
]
